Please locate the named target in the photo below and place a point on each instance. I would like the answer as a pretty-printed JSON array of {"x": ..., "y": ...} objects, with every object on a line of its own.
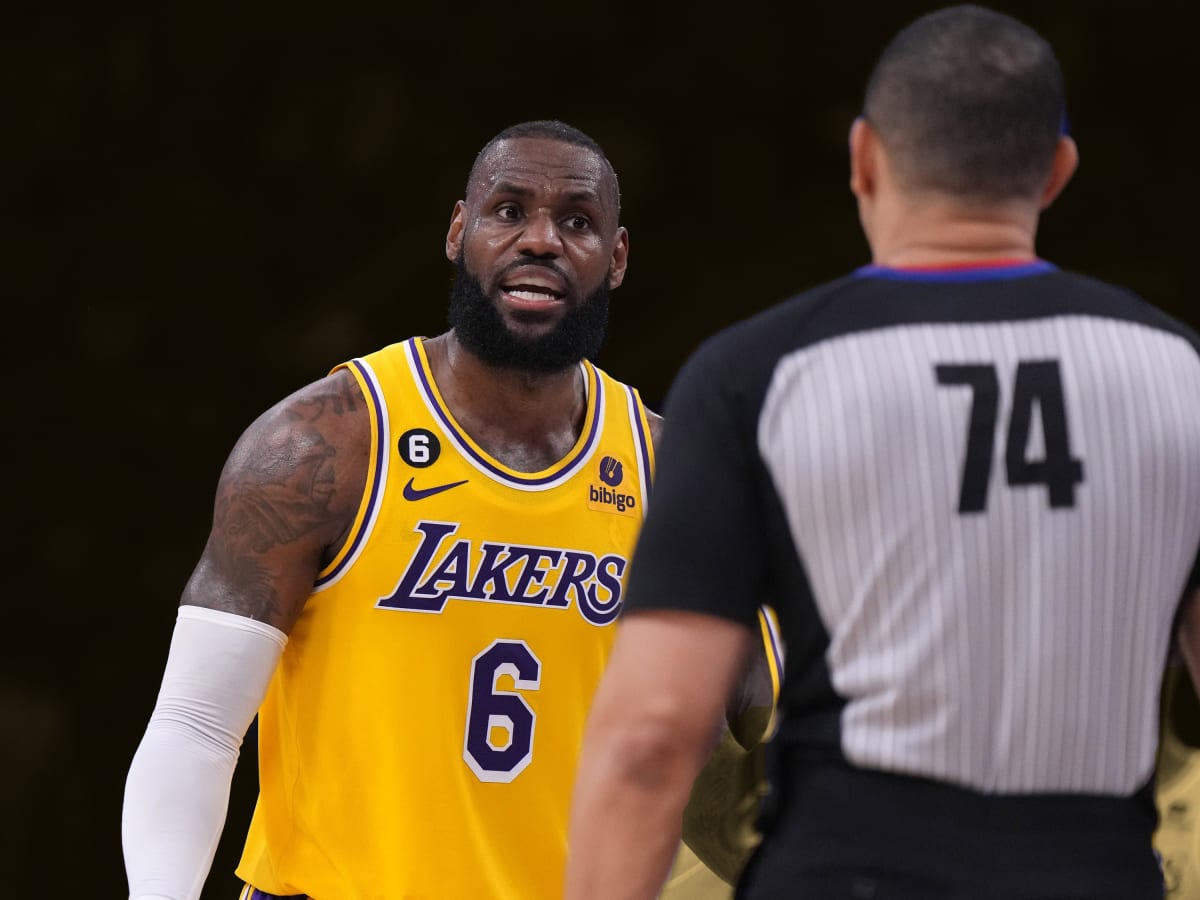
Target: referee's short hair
[{"x": 969, "y": 102}]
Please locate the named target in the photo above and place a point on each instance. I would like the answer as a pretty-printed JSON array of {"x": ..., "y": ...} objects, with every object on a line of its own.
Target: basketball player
[
  {"x": 412, "y": 577},
  {"x": 972, "y": 482}
]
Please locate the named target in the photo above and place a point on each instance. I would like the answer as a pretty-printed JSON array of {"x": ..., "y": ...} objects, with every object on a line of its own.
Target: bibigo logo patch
[{"x": 607, "y": 496}]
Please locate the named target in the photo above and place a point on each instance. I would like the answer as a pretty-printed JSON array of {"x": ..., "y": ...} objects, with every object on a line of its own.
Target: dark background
[{"x": 207, "y": 206}]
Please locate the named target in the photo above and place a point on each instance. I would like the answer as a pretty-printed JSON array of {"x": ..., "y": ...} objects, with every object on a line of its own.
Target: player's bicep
[{"x": 286, "y": 495}]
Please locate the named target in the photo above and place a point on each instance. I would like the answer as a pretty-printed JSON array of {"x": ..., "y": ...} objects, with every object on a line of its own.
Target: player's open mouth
[
  {"x": 541, "y": 280},
  {"x": 533, "y": 287},
  {"x": 532, "y": 294}
]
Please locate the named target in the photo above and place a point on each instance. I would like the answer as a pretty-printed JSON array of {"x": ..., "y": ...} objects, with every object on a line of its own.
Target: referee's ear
[
  {"x": 864, "y": 149},
  {"x": 1066, "y": 161}
]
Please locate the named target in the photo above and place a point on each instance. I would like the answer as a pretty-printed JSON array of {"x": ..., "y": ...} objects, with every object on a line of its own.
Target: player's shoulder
[
  {"x": 328, "y": 412},
  {"x": 396, "y": 351},
  {"x": 655, "y": 423},
  {"x": 296, "y": 474}
]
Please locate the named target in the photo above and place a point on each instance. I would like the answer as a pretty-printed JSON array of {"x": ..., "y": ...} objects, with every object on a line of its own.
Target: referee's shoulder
[
  {"x": 1130, "y": 304},
  {"x": 765, "y": 334}
]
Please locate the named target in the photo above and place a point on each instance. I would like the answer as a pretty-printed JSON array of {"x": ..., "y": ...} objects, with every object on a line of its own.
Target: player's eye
[
  {"x": 509, "y": 211},
  {"x": 579, "y": 223}
]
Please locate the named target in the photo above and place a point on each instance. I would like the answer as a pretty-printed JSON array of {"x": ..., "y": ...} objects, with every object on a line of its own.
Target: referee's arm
[
  {"x": 648, "y": 734},
  {"x": 695, "y": 583}
]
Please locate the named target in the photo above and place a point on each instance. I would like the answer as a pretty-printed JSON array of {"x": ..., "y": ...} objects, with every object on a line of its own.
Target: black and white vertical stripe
[{"x": 1018, "y": 648}]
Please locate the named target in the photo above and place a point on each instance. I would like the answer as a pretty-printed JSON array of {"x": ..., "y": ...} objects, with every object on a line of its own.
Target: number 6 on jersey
[{"x": 489, "y": 709}]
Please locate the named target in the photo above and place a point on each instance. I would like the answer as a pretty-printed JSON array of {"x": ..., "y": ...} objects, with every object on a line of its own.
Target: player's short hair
[
  {"x": 551, "y": 129},
  {"x": 970, "y": 102}
]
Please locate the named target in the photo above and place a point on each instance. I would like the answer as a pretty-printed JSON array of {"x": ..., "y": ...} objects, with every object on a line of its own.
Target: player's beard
[{"x": 481, "y": 329}]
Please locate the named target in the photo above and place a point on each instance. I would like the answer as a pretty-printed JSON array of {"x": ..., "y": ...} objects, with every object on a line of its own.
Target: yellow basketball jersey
[{"x": 420, "y": 736}]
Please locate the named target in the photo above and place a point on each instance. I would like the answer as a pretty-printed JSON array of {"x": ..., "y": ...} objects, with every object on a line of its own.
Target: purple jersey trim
[
  {"x": 464, "y": 444},
  {"x": 381, "y": 448},
  {"x": 642, "y": 439},
  {"x": 776, "y": 644},
  {"x": 961, "y": 274},
  {"x": 256, "y": 894}
]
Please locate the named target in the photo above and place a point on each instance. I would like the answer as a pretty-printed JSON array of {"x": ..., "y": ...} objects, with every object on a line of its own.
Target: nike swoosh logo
[{"x": 412, "y": 493}]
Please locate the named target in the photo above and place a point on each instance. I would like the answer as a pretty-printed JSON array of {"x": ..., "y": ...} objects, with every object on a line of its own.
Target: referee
[{"x": 970, "y": 482}]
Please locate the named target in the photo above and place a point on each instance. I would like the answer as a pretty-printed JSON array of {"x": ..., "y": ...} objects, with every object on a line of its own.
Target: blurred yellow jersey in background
[
  {"x": 720, "y": 821},
  {"x": 1177, "y": 839}
]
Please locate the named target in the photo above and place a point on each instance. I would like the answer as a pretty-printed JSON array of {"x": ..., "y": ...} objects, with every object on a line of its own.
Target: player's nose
[{"x": 540, "y": 236}]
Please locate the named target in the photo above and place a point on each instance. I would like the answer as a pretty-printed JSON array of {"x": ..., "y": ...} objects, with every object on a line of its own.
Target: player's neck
[
  {"x": 935, "y": 233},
  {"x": 528, "y": 420}
]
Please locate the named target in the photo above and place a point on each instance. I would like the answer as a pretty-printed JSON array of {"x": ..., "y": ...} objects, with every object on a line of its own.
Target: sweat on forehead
[{"x": 523, "y": 156}]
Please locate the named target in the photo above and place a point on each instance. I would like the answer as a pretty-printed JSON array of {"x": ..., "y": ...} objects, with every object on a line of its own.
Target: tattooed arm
[{"x": 285, "y": 502}]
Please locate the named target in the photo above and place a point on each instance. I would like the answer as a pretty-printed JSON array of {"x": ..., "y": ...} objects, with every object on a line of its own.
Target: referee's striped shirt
[{"x": 972, "y": 496}]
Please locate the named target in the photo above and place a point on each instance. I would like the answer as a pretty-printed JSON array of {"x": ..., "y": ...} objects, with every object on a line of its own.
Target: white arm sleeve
[{"x": 177, "y": 790}]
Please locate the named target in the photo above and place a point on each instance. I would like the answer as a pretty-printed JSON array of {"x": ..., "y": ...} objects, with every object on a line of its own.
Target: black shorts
[{"x": 839, "y": 833}]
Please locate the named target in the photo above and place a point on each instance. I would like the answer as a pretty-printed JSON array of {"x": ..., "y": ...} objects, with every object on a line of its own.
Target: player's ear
[
  {"x": 620, "y": 258},
  {"x": 454, "y": 237},
  {"x": 1066, "y": 161}
]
